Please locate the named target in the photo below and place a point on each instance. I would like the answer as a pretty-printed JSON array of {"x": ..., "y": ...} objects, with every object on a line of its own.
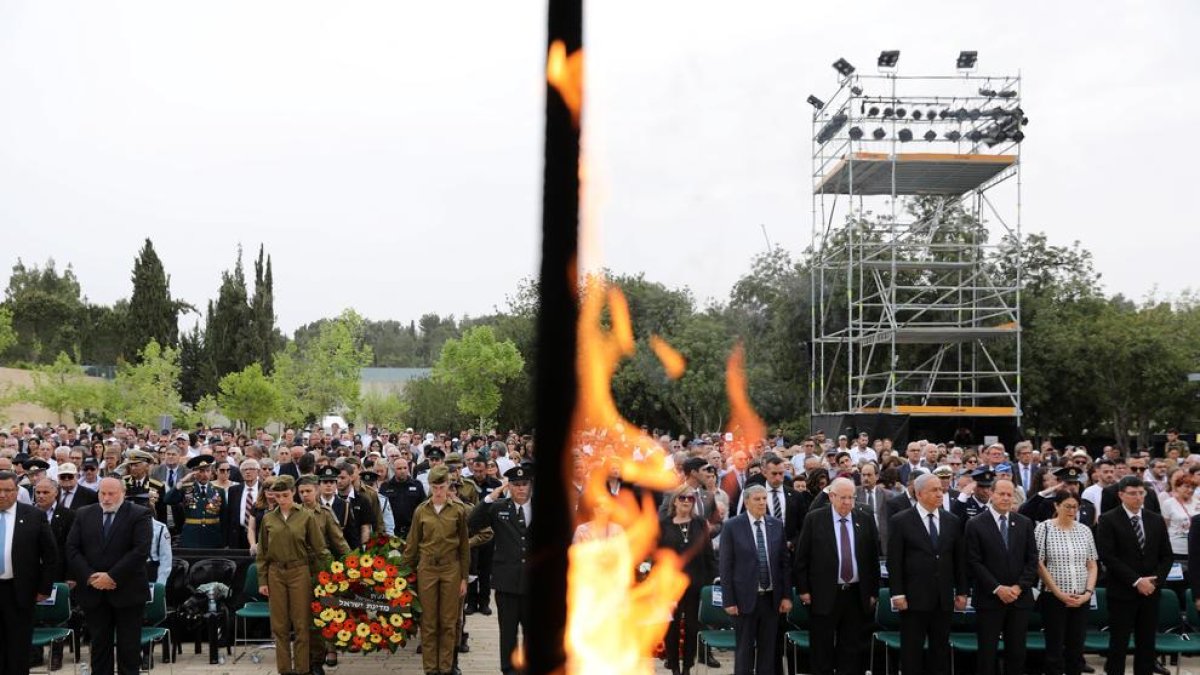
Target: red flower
[
  {"x": 392, "y": 572},
  {"x": 387, "y": 630},
  {"x": 323, "y": 577},
  {"x": 316, "y": 607},
  {"x": 379, "y": 562},
  {"x": 407, "y": 625},
  {"x": 329, "y": 632},
  {"x": 339, "y": 577},
  {"x": 405, "y": 598},
  {"x": 375, "y": 627},
  {"x": 352, "y": 561}
]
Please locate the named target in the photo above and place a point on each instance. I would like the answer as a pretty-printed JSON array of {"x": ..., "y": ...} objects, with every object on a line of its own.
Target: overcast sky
[{"x": 388, "y": 154}]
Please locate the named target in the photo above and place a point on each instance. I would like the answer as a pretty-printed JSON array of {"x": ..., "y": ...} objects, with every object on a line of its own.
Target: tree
[
  {"x": 385, "y": 409},
  {"x": 262, "y": 308},
  {"x": 475, "y": 367},
  {"x": 250, "y": 397},
  {"x": 45, "y": 308},
  {"x": 61, "y": 388},
  {"x": 325, "y": 375},
  {"x": 229, "y": 332},
  {"x": 8, "y": 336},
  {"x": 434, "y": 405},
  {"x": 153, "y": 315},
  {"x": 196, "y": 374},
  {"x": 149, "y": 389}
]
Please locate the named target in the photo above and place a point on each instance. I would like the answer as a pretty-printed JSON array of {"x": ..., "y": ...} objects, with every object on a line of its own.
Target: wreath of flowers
[{"x": 366, "y": 600}]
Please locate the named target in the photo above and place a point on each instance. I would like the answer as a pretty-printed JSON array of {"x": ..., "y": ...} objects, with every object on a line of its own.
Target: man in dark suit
[
  {"x": 873, "y": 497},
  {"x": 1134, "y": 546},
  {"x": 912, "y": 452},
  {"x": 72, "y": 495},
  {"x": 1002, "y": 563},
  {"x": 107, "y": 550},
  {"x": 45, "y": 499},
  {"x": 1110, "y": 497},
  {"x": 790, "y": 507},
  {"x": 27, "y": 563},
  {"x": 1026, "y": 472},
  {"x": 734, "y": 480},
  {"x": 240, "y": 504},
  {"x": 927, "y": 573},
  {"x": 837, "y": 575},
  {"x": 756, "y": 581},
  {"x": 906, "y": 499}
]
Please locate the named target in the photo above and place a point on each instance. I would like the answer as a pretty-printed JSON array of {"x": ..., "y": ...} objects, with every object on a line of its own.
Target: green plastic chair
[
  {"x": 717, "y": 631},
  {"x": 888, "y": 634},
  {"x": 798, "y": 639},
  {"x": 50, "y": 622},
  {"x": 1095, "y": 641},
  {"x": 256, "y": 607},
  {"x": 1171, "y": 637},
  {"x": 154, "y": 631}
]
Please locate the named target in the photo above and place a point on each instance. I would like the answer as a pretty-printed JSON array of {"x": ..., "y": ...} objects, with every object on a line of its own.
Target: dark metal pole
[{"x": 556, "y": 387}]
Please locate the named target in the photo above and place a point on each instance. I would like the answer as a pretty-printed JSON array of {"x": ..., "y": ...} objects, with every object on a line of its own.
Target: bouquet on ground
[{"x": 366, "y": 601}]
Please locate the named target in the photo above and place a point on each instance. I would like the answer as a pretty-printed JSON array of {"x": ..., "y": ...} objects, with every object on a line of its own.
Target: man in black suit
[
  {"x": 1110, "y": 497},
  {"x": 240, "y": 504},
  {"x": 1002, "y": 561},
  {"x": 756, "y": 581},
  {"x": 734, "y": 480},
  {"x": 927, "y": 573},
  {"x": 45, "y": 499},
  {"x": 906, "y": 499},
  {"x": 107, "y": 550},
  {"x": 790, "y": 507},
  {"x": 72, "y": 495},
  {"x": 837, "y": 575},
  {"x": 26, "y": 573},
  {"x": 1134, "y": 546},
  {"x": 1026, "y": 472}
]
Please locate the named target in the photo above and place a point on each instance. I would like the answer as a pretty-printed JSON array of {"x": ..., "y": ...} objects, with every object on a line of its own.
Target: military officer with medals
[
  {"x": 137, "y": 478},
  {"x": 510, "y": 520},
  {"x": 967, "y": 506},
  {"x": 203, "y": 503}
]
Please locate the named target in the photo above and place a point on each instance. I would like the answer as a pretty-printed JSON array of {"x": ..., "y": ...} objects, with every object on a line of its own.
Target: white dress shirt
[
  {"x": 766, "y": 543},
  {"x": 10, "y": 524}
]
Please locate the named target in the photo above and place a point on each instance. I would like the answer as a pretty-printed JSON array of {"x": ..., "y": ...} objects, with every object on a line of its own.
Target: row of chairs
[
  {"x": 52, "y": 624},
  {"x": 1178, "y": 633}
]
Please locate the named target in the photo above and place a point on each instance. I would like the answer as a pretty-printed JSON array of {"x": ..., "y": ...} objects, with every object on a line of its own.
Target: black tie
[
  {"x": 171, "y": 478},
  {"x": 521, "y": 517},
  {"x": 1004, "y": 529},
  {"x": 108, "y": 518},
  {"x": 775, "y": 503},
  {"x": 933, "y": 532},
  {"x": 1141, "y": 534}
]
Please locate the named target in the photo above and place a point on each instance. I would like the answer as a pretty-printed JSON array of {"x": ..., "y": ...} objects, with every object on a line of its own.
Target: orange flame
[
  {"x": 673, "y": 362},
  {"x": 747, "y": 427},
  {"x": 565, "y": 73},
  {"x": 614, "y": 621}
]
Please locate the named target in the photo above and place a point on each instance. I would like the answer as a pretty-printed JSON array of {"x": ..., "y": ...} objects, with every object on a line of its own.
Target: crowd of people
[{"x": 958, "y": 526}]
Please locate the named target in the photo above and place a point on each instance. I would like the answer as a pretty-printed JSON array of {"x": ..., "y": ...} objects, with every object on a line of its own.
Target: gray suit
[{"x": 877, "y": 508}]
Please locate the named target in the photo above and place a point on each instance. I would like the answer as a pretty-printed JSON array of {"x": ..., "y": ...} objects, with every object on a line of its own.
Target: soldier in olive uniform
[
  {"x": 137, "y": 478},
  {"x": 510, "y": 522},
  {"x": 203, "y": 503},
  {"x": 289, "y": 546},
  {"x": 306, "y": 486},
  {"x": 438, "y": 547},
  {"x": 1174, "y": 442}
]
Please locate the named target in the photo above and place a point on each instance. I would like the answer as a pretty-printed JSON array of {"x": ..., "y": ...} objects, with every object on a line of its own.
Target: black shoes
[
  {"x": 485, "y": 610},
  {"x": 470, "y": 609},
  {"x": 710, "y": 660}
]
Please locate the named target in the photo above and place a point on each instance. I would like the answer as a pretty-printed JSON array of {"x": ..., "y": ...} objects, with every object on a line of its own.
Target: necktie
[
  {"x": 847, "y": 571},
  {"x": 1137, "y": 530},
  {"x": 171, "y": 478},
  {"x": 1025, "y": 478},
  {"x": 1004, "y": 529},
  {"x": 521, "y": 517},
  {"x": 3, "y": 538},
  {"x": 764, "y": 570},
  {"x": 933, "y": 532},
  {"x": 249, "y": 510},
  {"x": 871, "y": 500},
  {"x": 775, "y": 503},
  {"x": 108, "y": 518},
  {"x": 699, "y": 503},
  {"x": 62, "y": 498}
]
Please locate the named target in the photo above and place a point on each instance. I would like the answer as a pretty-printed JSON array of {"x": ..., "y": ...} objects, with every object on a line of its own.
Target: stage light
[
  {"x": 943, "y": 114},
  {"x": 816, "y": 102},
  {"x": 1007, "y": 93},
  {"x": 856, "y": 90},
  {"x": 997, "y": 112},
  {"x": 931, "y": 135},
  {"x": 873, "y": 111},
  {"x": 990, "y": 93},
  {"x": 843, "y": 66},
  {"x": 831, "y": 127},
  {"x": 917, "y": 114},
  {"x": 1018, "y": 136},
  {"x": 974, "y": 135},
  {"x": 973, "y": 114},
  {"x": 888, "y": 112},
  {"x": 966, "y": 60},
  {"x": 905, "y": 135},
  {"x": 901, "y": 112},
  {"x": 888, "y": 59},
  {"x": 856, "y": 133},
  {"x": 879, "y": 133},
  {"x": 953, "y": 135},
  {"x": 931, "y": 114}
]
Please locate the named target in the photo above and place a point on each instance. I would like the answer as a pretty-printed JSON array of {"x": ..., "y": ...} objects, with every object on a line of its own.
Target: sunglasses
[{"x": 686, "y": 498}]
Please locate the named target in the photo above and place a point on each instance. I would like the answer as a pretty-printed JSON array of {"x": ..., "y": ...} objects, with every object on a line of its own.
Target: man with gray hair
[{"x": 927, "y": 573}]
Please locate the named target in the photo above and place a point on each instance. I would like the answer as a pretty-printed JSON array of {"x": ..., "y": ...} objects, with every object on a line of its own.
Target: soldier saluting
[
  {"x": 137, "y": 479},
  {"x": 202, "y": 503}
]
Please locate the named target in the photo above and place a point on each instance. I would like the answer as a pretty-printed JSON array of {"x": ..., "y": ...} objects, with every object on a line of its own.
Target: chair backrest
[
  {"x": 1098, "y": 618},
  {"x": 887, "y": 618},
  {"x": 798, "y": 617},
  {"x": 58, "y": 613},
  {"x": 177, "y": 590},
  {"x": 1193, "y": 617},
  {"x": 156, "y": 609},
  {"x": 250, "y": 588},
  {"x": 1169, "y": 615},
  {"x": 711, "y": 616},
  {"x": 213, "y": 569}
]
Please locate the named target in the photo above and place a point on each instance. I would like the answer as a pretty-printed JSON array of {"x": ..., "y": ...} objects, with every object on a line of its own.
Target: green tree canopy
[
  {"x": 250, "y": 397},
  {"x": 150, "y": 388},
  {"x": 152, "y": 314},
  {"x": 475, "y": 367},
  {"x": 324, "y": 375},
  {"x": 61, "y": 388}
]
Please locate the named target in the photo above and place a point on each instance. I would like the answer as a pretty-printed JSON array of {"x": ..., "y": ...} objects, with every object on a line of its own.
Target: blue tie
[
  {"x": 3, "y": 538},
  {"x": 1004, "y": 529},
  {"x": 933, "y": 532},
  {"x": 764, "y": 570},
  {"x": 107, "y": 524}
]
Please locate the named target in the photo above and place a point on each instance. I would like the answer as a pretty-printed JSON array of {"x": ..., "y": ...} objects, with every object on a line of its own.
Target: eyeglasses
[
  {"x": 226, "y": 470},
  {"x": 686, "y": 498}
]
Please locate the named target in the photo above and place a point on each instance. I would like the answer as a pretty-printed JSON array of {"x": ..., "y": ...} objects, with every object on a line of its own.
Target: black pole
[{"x": 556, "y": 386}]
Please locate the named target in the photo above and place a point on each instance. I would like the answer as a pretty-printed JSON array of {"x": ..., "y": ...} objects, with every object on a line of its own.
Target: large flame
[
  {"x": 613, "y": 620},
  {"x": 747, "y": 427},
  {"x": 565, "y": 73}
]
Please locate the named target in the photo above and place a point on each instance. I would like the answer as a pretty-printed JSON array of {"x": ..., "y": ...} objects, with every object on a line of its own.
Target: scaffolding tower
[{"x": 916, "y": 248}]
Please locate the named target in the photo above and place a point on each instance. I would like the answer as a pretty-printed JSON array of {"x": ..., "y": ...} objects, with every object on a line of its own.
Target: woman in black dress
[{"x": 686, "y": 533}]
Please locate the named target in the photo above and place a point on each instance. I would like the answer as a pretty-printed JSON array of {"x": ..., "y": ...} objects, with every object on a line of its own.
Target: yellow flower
[
  {"x": 330, "y": 587},
  {"x": 365, "y": 561},
  {"x": 353, "y": 574},
  {"x": 363, "y": 630},
  {"x": 343, "y": 586},
  {"x": 380, "y": 575},
  {"x": 318, "y": 623},
  {"x": 395, "y": 637},
  {"x": 401, "y": 583},
  {"x": 339, "y": 615},
  {"x": 327, "y": 614},
  {"x": 392, "y": 593},
  {"x": 396, "y": 620},
  {"x": 319, "y": 591},
  {"x": 337, "y": 567},
  {"x": 344, "y": 636}
]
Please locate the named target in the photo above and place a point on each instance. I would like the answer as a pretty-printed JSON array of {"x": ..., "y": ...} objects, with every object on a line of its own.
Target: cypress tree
[
  {"x": 153, "y": 315},
  {"x": 263, "y": 309},
  {"x": 229, "y": 335}
]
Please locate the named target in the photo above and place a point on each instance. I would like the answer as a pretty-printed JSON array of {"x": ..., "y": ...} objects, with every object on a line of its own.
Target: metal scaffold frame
[{"x": 911, "y": 313}]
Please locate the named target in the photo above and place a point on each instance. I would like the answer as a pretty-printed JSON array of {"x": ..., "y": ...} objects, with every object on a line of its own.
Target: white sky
[{"x": 389, "y": 153}]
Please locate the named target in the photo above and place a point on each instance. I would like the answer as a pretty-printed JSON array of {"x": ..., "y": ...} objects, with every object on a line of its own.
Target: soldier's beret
[
  {"x": 283, "y": 484},
  {"x": 439, "y": 475},
  {"x": 369, "y": 476},
  {"x": 454, "y": 458},
  {"x": 1069, "y": 474},
  {"x": 306, "y": 480}
]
